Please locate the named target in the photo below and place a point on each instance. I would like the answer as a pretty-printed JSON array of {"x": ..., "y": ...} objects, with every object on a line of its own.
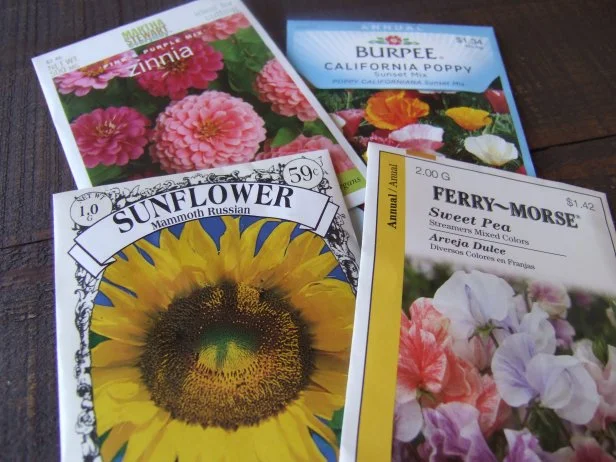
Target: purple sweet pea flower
[
  {"x": 452, "y": 430},
  {"x": 561, "y": 383},
  {"x": 523, "y": 447},
  {"x": 564, "y": 332}
]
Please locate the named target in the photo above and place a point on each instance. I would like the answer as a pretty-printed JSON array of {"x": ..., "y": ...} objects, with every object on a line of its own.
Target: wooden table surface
[{"x": 561, "y": 60}]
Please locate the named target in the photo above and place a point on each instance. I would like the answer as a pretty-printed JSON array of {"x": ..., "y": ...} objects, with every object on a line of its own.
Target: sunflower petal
[
  {"x": 230, "y": 248},
  {"x": 298, "y": 436},
  {"x": 118, "y": 436},
  {"x": 112, "y": 353},
  {"x": 119, "y": 325},
  {"x": 328, "y": 376},
  {"x": 311, "y": 270},
  {"x": 202, "y": 245},
  {"x": 329, "y": 301},
  {"x": 146, "y": 435},
  {"x": 322, "y": 403},
  {"x": 242, "y": 445},
  {"x": 270, "y": 443},
  {"x": 259, "y": 270},
  {"x": 198, "y": 443},
  {"x": 299, "y": 411}
]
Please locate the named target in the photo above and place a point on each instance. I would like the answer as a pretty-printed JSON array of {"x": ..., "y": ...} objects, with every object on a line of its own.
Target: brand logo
[
  {"x": 145, "y": 33},
  {"x": 393, "y": 40}
]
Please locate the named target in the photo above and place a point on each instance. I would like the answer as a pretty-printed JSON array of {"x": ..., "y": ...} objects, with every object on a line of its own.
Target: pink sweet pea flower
[
  {"x": 605, "y": 379},
  {"x": 393, "y": 39}
]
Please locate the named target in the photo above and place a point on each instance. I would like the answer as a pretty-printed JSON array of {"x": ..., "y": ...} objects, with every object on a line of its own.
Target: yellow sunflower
[{"x": 221, "y": 353}]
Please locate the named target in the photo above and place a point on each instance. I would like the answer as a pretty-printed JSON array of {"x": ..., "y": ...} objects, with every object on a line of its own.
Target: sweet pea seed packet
[
  {"x": 438, "y": 89},
  {"x": 206, "y": 315},
  {"x": 486, "y": 317},
  {"x": 198, "y": 86}
]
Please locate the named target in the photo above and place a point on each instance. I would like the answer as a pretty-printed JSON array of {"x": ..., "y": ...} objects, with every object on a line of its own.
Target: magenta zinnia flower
[
  {"x": 273, "y": 85},
  {"x": 302, "y": 143},
  {"x": 111, "y": 136},
  {"x": 224, "y": 27},
  {"x": 207, "y": 130},
  {"x": 173, "y": 70},
  {"x": 96, "y": 75}
]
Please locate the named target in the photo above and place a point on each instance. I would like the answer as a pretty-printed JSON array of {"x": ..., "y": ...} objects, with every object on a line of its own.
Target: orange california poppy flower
[
  {"x": 469, "y": 118},
  {"x": 394, "y": 109}
]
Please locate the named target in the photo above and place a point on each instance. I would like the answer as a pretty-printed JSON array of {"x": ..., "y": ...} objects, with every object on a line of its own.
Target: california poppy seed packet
[
  {"x": 486, "y": 317},
  {"x": 206, "y": 315},
  {"x": 437, "y": 89},
  {"x": 198, "y": 86}
]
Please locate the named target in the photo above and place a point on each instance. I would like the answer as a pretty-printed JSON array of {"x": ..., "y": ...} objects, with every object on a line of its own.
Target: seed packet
[
  {"x": 440, "y": 89},
  {"x": 198, "y": 86},
  {"x": 206, "y": 315},
  {"x": 486, "y": 317}
]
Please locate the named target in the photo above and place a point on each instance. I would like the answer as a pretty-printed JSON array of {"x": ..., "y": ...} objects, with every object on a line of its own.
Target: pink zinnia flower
[
  {"x": 207, "y": 130},
  {"x": 111, "y": 136},
  {"x": 96, "y": 75},
  {"x": 171, "y": 71},
  {"x": 303, "y": 143},
  {"x": 497, "y": 100},
  {"x": 224, "y": 27},
  {"x": 273, "y": 85}
]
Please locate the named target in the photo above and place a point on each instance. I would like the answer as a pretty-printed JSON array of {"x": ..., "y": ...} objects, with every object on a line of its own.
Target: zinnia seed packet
[
  {"x": 437, "y": 89},
  {"x": 486, "y": 317},
  {"x": 198, "y": 86},
  {"x": 206, "y": 315}
]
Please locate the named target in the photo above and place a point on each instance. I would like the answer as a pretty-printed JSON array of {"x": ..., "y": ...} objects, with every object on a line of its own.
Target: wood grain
[{"x": 560, "y": 57}]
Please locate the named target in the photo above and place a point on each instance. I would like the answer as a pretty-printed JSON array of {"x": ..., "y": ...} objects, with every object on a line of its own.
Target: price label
[
  {"x": 90, "y": 208},
  {"x": 305, "y": 173}
]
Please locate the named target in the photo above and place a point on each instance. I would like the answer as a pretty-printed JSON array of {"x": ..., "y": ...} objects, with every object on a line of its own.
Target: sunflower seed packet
[
  {"x": 206, "y": 315},
  {"x": 438, "y": 89},
  {"x": 198, "y": 86},
  {"x": 486, "y": 317}
]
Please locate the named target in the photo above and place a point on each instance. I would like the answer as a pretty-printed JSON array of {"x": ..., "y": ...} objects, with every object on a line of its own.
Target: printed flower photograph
[
  {"x": 466, "y": 126},
  {"x": 221, "y": 339},
  {"x": 210, "y": 96},
  {"x": 500, "y": 369}
]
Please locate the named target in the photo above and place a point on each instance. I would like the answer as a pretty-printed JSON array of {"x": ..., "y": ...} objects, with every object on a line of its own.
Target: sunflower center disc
[{"x": 227, "y": 356}]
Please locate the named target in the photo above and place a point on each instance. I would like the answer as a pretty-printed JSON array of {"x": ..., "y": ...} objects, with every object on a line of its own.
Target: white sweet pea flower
[
  {"x": 491, "y": 149},
  {"x": 537, "y": 325},
  {"x": 551, "y": 297},
  {"x": 473, "y": 301}
]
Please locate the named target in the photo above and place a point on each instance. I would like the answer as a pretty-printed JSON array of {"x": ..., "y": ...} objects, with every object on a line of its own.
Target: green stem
[{"x": 493, "y": 337}]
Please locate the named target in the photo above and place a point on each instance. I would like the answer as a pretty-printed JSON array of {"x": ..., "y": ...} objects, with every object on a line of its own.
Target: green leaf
[
  {"x": 336, "y": 423},
  {"x": 274, "y": 122},
  {"x": 317, "y": 127},
  {"x": 244, "y": 55},
  {"x": 102, "y": 174},
  {"x": 599, "y": 348},
  {"x": 547, "y": 426},
  {"x": 95, "y": 339},
  {"x": 284, "y": 136}
]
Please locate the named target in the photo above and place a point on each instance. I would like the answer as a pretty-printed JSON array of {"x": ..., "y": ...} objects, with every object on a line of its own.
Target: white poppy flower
[{"x": 491, "y": 149}]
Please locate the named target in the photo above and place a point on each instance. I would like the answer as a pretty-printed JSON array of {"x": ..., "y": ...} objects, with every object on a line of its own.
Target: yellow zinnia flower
[
  {"x": 469, "y": 118},
  {"x": 228, "y": 352}
]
